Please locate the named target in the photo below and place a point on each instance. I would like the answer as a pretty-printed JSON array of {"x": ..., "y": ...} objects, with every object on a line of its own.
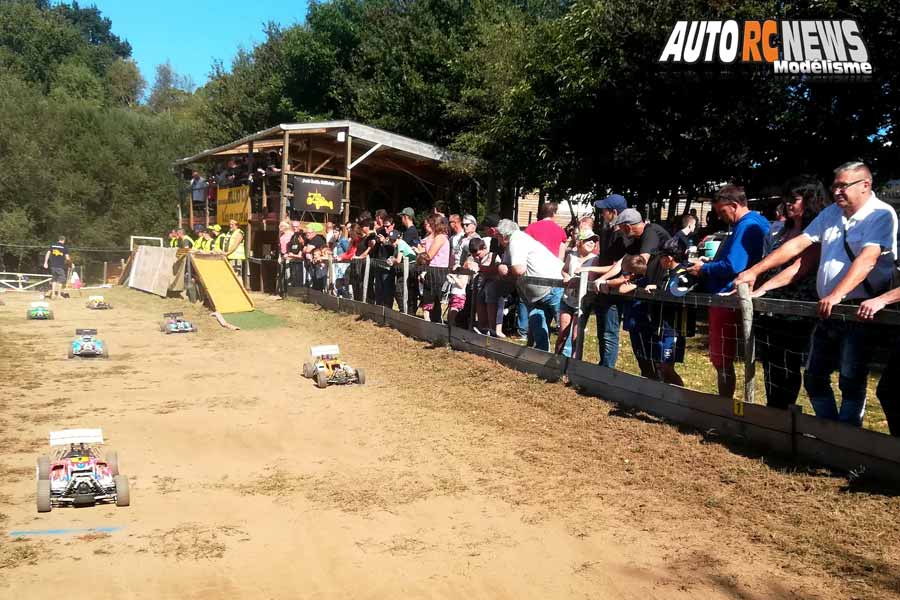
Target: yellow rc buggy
[{"x": 327, "y": 368}]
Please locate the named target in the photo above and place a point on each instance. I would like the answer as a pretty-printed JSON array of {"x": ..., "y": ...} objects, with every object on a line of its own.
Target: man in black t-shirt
[
  {"x": 409, "y": 234},
  {"x": 57, "y": 259},
  {"x": 385, "y": 276},
  {"x": 295, "y": 254}
]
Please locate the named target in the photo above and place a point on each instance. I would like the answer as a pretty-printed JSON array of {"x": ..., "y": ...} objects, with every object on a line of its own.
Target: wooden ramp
[{"x": 224, "y": 290}]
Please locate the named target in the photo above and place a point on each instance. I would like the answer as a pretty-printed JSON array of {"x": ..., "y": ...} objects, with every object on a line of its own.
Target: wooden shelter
[
  {"x": 310, "y": 170},
  {"x": 386, "y": 170}
]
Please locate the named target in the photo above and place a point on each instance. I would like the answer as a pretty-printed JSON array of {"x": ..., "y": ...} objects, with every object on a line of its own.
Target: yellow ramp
[{"x": 225, "y": 292}]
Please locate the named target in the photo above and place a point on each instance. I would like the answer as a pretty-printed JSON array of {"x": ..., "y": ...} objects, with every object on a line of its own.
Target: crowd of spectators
[{"x": 824, "y": 247}]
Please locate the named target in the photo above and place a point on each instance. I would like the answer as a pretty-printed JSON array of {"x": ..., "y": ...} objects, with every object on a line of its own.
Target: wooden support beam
[
  {"x": 285, "y": 165},
  {"x": 321, "y": 166},
  {"x": 349, "y": 159},
  {"x": 364, "y": 156},
  {"x": 319, "y": 175}
]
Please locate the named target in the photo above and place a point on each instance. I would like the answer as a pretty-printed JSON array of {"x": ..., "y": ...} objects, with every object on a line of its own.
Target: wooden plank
[
  {"x": 318, "y": 175},
  {"x": 324, "y": 300},
  {"x": 647, "y": 395},
  {"x": 363, "y": 309},
  {"x": 298, "y": 293},
  {"x": 465, "y": 340},
  {"x": 546, "y": 365},
  {"x": 820, "y": 451},
  {"x": 841, "y": 435},
  {"x": 418, "y": 328}
]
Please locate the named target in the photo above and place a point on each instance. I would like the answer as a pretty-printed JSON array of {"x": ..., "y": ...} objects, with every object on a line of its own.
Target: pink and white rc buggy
[{"x": 75, "y": 474}]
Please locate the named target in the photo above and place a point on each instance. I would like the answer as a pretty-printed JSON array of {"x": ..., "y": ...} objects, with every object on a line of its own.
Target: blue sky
[{"x": 193, "y": 33}]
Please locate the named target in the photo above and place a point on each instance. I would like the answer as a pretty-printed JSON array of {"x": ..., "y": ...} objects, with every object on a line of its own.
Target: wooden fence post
[
  {"x": 749, "y": 348},
  {"x": 405, "y": 285},
  {"x": 578, "y": 346},
  {"x": 329, "y": 284},
  {"x": 105, "y": 272},
  {"x": 365, "y": 283}
]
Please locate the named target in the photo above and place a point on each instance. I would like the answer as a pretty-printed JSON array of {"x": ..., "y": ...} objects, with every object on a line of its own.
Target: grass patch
[{"x": 255, "y": 319}]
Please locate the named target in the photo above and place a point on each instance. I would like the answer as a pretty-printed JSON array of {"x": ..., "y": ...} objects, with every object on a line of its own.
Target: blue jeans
[
  {"x": 607, "y": 311},
  {"x": 522, "y": 317},
  {"x": 847, "y": 348},
  {"x": 540, "y": 314}
]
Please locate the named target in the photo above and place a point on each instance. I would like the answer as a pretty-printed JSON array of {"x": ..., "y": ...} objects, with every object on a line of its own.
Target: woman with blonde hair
[{"x": 434, "y": 251}]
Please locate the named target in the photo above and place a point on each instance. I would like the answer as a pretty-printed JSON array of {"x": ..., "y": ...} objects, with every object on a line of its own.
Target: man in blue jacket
[{"x": 742, "y": 249}]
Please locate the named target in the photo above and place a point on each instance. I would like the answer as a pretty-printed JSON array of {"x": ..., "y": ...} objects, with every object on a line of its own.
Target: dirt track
[{"x": 445, "y": 476}]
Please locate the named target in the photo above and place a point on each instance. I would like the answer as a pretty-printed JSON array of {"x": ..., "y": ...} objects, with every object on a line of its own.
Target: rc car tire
[
  {"x": 112, "y": 459},
  {"x": 105, "y": 353},
  {"x": 162, "y": 327},
  {"x": 71, "y": 352},
  {"x": 123, "y": 497},
  {"x": 43, "y": 467},
  {"x": 308, "y": 370},
  {"x": 321, "y": 379},
  {"x": 361, "y": 376},
  {"x": 43, "y": 495},
  {"x": 28, "y": 315},
  {"x": 51, "y": 316},
  {"x": 194, "y": 328}
]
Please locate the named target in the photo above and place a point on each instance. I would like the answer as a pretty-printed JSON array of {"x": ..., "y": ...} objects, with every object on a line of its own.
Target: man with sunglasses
[{"x": 858, "y": 237}]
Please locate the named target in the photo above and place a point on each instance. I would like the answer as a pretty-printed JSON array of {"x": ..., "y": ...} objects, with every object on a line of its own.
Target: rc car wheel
[
  {"x": 51, "y": 316},
  {"x": 43, "y": 467},
  {"x": 112, "y": 459},
  {"x": 308, "y": 370},
  {"x": 194, "y": 328},
  {"x": 123, "y": 498},
  {"x": 105, "y": 353},
  {"x": 361, "y": 376},
  {"x": 71, "y": 352},
  {"x": 28, "y": 315},
  {"x": 43, "y": 495},
  {"x": 321, "y": 379},
  {"x": 162, "y": 327}
]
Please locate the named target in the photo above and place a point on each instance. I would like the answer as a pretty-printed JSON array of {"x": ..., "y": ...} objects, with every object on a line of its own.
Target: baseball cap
[
  {"x": 409, "y": 212},
  {"x": 614, "y": 202},
  {"x": 217, "y": 228},
  {"x": 629, "y": 216},
  {"x": 586, "y": 234}
]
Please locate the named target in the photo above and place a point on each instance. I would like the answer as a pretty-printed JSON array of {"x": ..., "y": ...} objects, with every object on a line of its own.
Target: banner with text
[
  {"x": 313, "y": 194},
  {"x": 233, "y": 203}
]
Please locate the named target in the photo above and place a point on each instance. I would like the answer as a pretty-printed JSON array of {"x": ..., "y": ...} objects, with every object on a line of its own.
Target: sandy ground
[{"x": 445, "y": 476}]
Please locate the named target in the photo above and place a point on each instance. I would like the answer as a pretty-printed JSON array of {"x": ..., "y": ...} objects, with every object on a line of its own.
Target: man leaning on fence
[
  {"x": 528, "y": 257},
  {"x": 741, "y": 249},
  {"x": 858, "y": 236}
]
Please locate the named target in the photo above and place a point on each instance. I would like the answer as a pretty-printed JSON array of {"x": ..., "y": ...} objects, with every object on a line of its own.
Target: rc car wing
[
  {"x": 85, "y": 332},
  {"x": 320, "y": 351},
  {"x": 40, "y": 304},
  {"x": 76, "y": 436}
]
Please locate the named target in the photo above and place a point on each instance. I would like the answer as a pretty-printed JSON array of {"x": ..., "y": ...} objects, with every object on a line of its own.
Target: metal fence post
[
  {"x": 365, "y": 283},
  {"x": 749, "y": 348},
  {"x": 405, "y": 285}
]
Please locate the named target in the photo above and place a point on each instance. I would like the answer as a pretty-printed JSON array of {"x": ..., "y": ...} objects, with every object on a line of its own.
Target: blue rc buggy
[
  {"x": 87, "y": 345},
  {"x": 176, "y": 323}
]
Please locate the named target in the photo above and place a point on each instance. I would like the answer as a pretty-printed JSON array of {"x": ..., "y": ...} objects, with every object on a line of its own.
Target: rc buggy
[
  {"x": 175, "y": 323},
  {"x": 75, "y": 474},
  {"x": 39, "y": 311},
  {"x": 87, "y": 345},
  {"x": 98, "y": 303},
  {"x": 327, "y": 368}
]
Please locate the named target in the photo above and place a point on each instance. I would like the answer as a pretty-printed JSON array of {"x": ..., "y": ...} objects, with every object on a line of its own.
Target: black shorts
[{"x": 58, "y": 274}]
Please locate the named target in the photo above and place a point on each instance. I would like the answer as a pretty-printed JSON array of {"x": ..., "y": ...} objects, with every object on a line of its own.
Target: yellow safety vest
[
  {"x": 238, "y": 253},
  {"x": 218, "y": 243},
  {"x": 173, "y": 242}
]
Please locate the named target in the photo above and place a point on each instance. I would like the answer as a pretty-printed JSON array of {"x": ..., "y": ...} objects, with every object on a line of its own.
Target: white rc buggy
[
  {"x": 75, "y": 474},
  {"x": 327, "y": 368}
]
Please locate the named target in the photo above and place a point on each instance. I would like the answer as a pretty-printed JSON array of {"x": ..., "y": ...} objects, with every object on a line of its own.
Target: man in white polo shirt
[
  {"x": 527, "y": 256},
  {"x": 858, "y": 237}
]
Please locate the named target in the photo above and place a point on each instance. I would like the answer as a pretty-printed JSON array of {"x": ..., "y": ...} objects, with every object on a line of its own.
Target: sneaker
[
  {"x": 478, "y": 331},
  {"x": 499, "y": 334},
  {"x": 522, "y": 337}
]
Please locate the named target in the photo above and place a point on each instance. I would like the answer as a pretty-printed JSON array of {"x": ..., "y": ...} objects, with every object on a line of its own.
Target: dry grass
[
  {"x": 191, "y": 541},
  {"x": 553, "y": 449}
]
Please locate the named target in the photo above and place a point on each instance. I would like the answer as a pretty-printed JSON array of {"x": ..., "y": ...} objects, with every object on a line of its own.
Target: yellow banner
[{"x": 233, "y": 203}]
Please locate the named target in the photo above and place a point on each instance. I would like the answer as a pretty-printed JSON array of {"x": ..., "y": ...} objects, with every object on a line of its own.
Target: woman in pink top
[
  {"x": 434, "y": 252},
  {"x": 284, "y": 236}
]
